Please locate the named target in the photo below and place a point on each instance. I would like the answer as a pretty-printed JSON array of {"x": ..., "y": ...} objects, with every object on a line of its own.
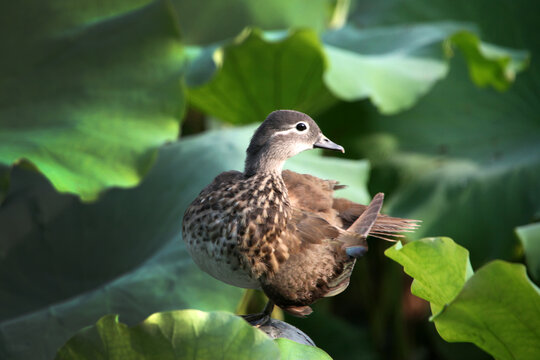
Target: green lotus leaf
[
  {"x": 209, "y": 21},
  {"x": 489, "y": 65},
  {"x": 68, "y": 263},
  {"x": 529, "y": 235},
  {"x": 257, "y": 74},
  {"x": 439, "y": 267},
  {"x": 394, "y": 66},
  {"x": 89, "y": 92},
  {"x": 465, "y": 160},
  {"x": 182, "y": 334},
  {"x": 497, "y": 308}
]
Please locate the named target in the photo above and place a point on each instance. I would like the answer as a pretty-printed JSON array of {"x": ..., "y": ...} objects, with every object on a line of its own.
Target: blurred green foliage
[
  {"x": 74, "y": 102},
  {"x": 132, "y": 234},
  {"x": 529, "y": 236},
  {"x": 91, "y": 91}
]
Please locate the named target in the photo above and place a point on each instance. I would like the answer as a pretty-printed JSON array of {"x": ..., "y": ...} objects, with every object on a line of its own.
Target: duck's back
[{"x": 312, "y": 194}]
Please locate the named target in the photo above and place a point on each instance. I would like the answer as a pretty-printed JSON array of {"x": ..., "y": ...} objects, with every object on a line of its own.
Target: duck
[{"x": 280, "y": 231}]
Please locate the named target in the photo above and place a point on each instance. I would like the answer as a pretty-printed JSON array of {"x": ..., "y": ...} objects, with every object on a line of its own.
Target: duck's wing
[
  {"x": 310, "y": 193},
  {"x": 313, "y": 195},
  {"x": 323, "y": 238},
  {"x": 316, "y": 266}
]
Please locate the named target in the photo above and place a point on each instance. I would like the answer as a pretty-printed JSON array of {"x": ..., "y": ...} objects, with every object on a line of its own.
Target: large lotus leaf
[
  {"x": 489, "y": 65},
  {"x": 395, "y": 65},
  {"x": 439, "y": 267},
  {"x": 259, "y": 73},
  {"x": 184, "y": 334},
  {"x": 89, "y": 90},
  {"x": 508, "y": 23},
  {"x": 497, "y": 308},
  {"x": 529, "y": 235},
  {"x": 464, "y": 160},
  {"x": 64, "y": 263},
  {"x": 208, "y": 21}
]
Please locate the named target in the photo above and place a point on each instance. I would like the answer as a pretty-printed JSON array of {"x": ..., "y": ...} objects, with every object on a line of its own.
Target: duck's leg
[{"x": 261, "y": 318}]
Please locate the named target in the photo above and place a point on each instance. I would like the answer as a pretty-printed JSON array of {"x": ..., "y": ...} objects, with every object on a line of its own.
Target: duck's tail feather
[
  {"x": 391, "y": 228},
  {"x": 372, "y": 223},
  {"x": 365, "y": 222},
  {"x": 354, "y": 238}
]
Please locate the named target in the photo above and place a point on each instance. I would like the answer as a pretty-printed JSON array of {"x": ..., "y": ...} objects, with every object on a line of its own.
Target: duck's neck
[{"x": 264, "y": 163}]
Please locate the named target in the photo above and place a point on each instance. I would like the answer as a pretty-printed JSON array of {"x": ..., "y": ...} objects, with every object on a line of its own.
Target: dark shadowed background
[{"x": 115, "y": 114}]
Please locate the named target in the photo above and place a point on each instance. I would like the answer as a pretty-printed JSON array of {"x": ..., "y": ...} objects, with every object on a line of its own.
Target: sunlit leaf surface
[
  {"x": 439, "y": 267},
  {"x": 183, "y": 334},
  {"x": 497, "y": 308},
  {"x": 88, "y": 92},
  {"x": 464, "y": 160},
  {"x": 258, "y": 74},
  {"x": 394, "y": 66}
]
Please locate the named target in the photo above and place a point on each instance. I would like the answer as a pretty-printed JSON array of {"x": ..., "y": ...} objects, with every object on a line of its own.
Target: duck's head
[{"x": 282, "y": 135}]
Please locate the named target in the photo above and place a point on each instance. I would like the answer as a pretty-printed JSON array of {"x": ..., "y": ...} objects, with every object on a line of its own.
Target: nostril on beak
[{"x": 326, "y": 143}]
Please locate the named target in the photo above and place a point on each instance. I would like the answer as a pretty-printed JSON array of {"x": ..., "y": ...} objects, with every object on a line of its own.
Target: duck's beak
[{"x": 324, "y": 143}]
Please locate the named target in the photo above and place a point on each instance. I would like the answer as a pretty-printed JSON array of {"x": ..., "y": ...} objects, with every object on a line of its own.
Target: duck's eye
[{"x": 301, "y": 126}]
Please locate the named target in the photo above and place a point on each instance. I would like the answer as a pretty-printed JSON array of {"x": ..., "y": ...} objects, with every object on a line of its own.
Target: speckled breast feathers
[{"x": 242, "y": 217}]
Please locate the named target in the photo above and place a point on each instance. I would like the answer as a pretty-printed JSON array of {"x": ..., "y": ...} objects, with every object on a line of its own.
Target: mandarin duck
[{"x": 279, "y": 231}]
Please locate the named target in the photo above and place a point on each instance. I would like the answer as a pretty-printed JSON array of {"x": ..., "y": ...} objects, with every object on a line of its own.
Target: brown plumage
[{"x": 281, "y": 231}]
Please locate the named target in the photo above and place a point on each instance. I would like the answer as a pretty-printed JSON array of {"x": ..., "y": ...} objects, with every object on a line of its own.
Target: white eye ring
[{"x": 301, "y": 126}]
